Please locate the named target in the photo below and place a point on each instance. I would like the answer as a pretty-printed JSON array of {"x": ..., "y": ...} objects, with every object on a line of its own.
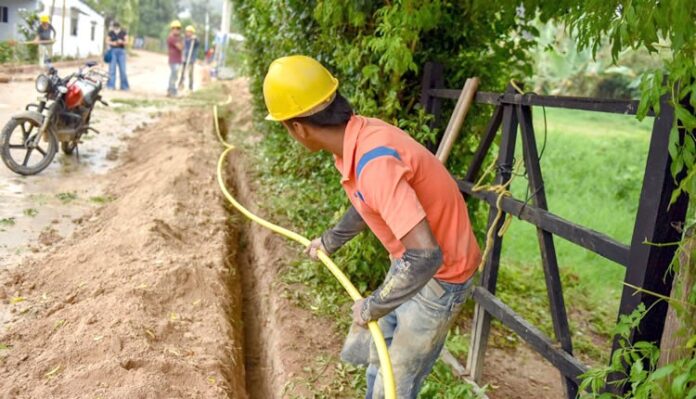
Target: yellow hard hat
[
  {"x": 295, "y": 85},
  {"x": 44, "y": 18},
  {"x": 175, "y": 24},
  {"x": 191, "y": 29}
]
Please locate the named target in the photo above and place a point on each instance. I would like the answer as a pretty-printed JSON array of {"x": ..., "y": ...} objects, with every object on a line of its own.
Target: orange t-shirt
[{"x": 394, "y": 182}]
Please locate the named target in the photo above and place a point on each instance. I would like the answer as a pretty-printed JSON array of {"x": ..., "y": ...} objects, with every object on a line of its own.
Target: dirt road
[{"x": 49, "y": 202}]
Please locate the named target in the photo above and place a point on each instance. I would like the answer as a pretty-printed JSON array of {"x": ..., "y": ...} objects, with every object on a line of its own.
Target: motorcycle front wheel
[{"x": 23, "y": 150}]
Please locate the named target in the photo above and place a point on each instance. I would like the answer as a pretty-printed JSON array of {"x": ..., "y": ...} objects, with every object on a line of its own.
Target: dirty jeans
[
  {"x": 45, "y": 54},
  {"x": 415, "y": 333},
  {"x": 189, "y": 68},
  {"x": 118, "y": 60},
  {"x": 173, "y": 78}
]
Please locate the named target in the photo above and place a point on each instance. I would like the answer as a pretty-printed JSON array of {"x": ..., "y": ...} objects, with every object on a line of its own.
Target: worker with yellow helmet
[
  {"x": 400, "y": 191},
  {"x": 175, "y": 47},
  {"x": 45, "y": 36},
  {"x": 191, "y": 45}
]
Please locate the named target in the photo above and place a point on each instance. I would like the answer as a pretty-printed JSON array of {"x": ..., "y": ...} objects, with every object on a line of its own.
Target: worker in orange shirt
[{"x": 407, "y": 198}]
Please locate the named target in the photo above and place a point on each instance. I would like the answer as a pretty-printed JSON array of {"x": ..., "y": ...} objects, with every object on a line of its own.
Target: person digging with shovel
[
  {"x": 45, "y": 37},
  {"x": 191, "y": 44},
  {"x": 407, "y": 198}
]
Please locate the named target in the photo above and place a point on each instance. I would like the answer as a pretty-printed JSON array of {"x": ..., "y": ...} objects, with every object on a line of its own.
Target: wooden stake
[{"x": 466, "y": 98}]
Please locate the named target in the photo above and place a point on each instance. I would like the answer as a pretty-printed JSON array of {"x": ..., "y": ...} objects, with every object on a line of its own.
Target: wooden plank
[
  {"x": 628, "y": 107},
  {"x": 426, "y": 99},
  {"x": 482, "y": 320},
  {"x": 547, "y": 248},
  {"x": 656, "y": 219},
  {"x": 433, "y": 77},
  {"x": 485, "y": 144},
  {"x": 565, "y": 363},
  {"x": 587, "y": 238}
]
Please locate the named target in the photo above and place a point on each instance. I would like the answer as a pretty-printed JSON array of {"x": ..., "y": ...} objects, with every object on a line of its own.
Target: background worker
[
  {"x": 118, "y": 38},
  {"x": 45, "y": 36},
  {"x": 191, "y": 45},
  {"x": 174, "y": 47},
  {"x": 407, "y": 198}
]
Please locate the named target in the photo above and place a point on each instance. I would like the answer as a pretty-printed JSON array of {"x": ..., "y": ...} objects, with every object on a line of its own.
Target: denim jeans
[
  {"x": 173, "y": 78},
  {"x": 45, "y": 54},
  {"x": 415, "y": 333},
  {"x": 188, "y": 70},
  {"x": 118, "y": 59}
]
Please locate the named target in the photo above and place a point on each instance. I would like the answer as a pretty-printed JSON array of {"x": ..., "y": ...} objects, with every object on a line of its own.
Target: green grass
[
  {"x": 67, "y": 197},
  {"x": 31, "y": 212},
  {"x": 101, "y": 199},
  {"x": 592, "y": 166},
  {"x": 8, "y": 221},
  {"x": 208, "y": 95}
]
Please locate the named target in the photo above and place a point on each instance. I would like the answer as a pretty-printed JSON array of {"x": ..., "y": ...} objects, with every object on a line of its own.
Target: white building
[{"x": 84, "y": 28}]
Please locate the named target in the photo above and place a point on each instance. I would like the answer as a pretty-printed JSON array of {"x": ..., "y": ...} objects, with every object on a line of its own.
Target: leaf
[
  {"x": 675, "y": 195},
  {"x": 17, "y": 299},
  {"x": 662, "y": 372},
  {"x": 679, "y": 385},
  {"x": 673, "y": 143},
  {"x": 691, "y": 343},
  {"x": 687, "y": 119}
]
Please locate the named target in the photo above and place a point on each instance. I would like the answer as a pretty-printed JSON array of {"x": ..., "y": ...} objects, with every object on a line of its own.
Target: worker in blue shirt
[{"x": 191, "y": 45}]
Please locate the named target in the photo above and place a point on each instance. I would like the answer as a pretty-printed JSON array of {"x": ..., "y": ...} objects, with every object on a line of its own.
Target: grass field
[{"x": 593, "y": 165}]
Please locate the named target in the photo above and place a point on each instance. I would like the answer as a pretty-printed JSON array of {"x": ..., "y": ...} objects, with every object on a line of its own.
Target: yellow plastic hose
[{"x": 377, "y": 336}]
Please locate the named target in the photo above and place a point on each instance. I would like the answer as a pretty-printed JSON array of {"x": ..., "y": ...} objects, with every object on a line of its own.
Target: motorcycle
[{"x": 30, "y": 140}]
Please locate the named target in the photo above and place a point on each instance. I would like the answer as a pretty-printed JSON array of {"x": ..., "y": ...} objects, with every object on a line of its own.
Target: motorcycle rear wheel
[{"x": 20, "y": 144}]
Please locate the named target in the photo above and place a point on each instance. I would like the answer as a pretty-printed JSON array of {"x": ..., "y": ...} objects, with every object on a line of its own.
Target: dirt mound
[{"x": 135, "y": 304}]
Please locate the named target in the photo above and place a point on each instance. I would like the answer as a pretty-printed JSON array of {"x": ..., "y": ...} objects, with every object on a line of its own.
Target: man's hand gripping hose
[{"x": 377, "y": 336}]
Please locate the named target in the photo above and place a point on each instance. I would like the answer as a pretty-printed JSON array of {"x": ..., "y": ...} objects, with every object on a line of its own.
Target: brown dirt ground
[{"x": 135, "y": 304}]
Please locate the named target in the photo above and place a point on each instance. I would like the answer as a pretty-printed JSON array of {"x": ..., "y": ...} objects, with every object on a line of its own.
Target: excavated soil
[{"x": 136, "y": 303}]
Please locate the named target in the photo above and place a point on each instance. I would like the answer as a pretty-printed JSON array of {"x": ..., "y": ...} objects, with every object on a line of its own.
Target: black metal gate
[{"x": 647, "y": 266}]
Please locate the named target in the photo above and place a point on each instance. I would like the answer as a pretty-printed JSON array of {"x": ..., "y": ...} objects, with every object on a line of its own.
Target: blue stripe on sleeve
[{"x": 373, "y": 154}]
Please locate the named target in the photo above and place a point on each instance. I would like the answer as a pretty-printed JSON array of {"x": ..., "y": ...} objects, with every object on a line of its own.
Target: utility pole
[
  {"x": 226, "y": 14},
  {"x": 207, "y": 27},
  {"x": 62, "y": 33}
]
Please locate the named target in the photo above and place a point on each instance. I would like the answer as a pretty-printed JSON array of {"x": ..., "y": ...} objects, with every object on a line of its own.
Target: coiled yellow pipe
[{"x": 377, "y": 336}]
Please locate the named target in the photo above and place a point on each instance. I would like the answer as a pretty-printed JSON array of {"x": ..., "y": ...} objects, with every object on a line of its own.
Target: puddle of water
[{"x": 65, "y": 190}]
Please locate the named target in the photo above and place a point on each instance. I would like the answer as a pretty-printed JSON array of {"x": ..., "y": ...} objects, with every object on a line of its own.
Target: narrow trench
[{"x": 247, "y": 316}]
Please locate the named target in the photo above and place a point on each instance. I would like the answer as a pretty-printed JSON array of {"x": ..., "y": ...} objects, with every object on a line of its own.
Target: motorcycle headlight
[{"x": 42, "y": 83}]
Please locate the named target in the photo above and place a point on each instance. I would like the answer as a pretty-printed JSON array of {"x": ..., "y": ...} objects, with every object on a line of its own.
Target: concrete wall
[
  {"x": 81, "y": 45},
  {"x": 10, "y": 30}
]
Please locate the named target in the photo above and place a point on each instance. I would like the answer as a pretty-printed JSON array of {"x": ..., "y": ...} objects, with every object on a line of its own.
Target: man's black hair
[
  {"x": 115, "y": 24},
  {"x": 337, "y": 113}
]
